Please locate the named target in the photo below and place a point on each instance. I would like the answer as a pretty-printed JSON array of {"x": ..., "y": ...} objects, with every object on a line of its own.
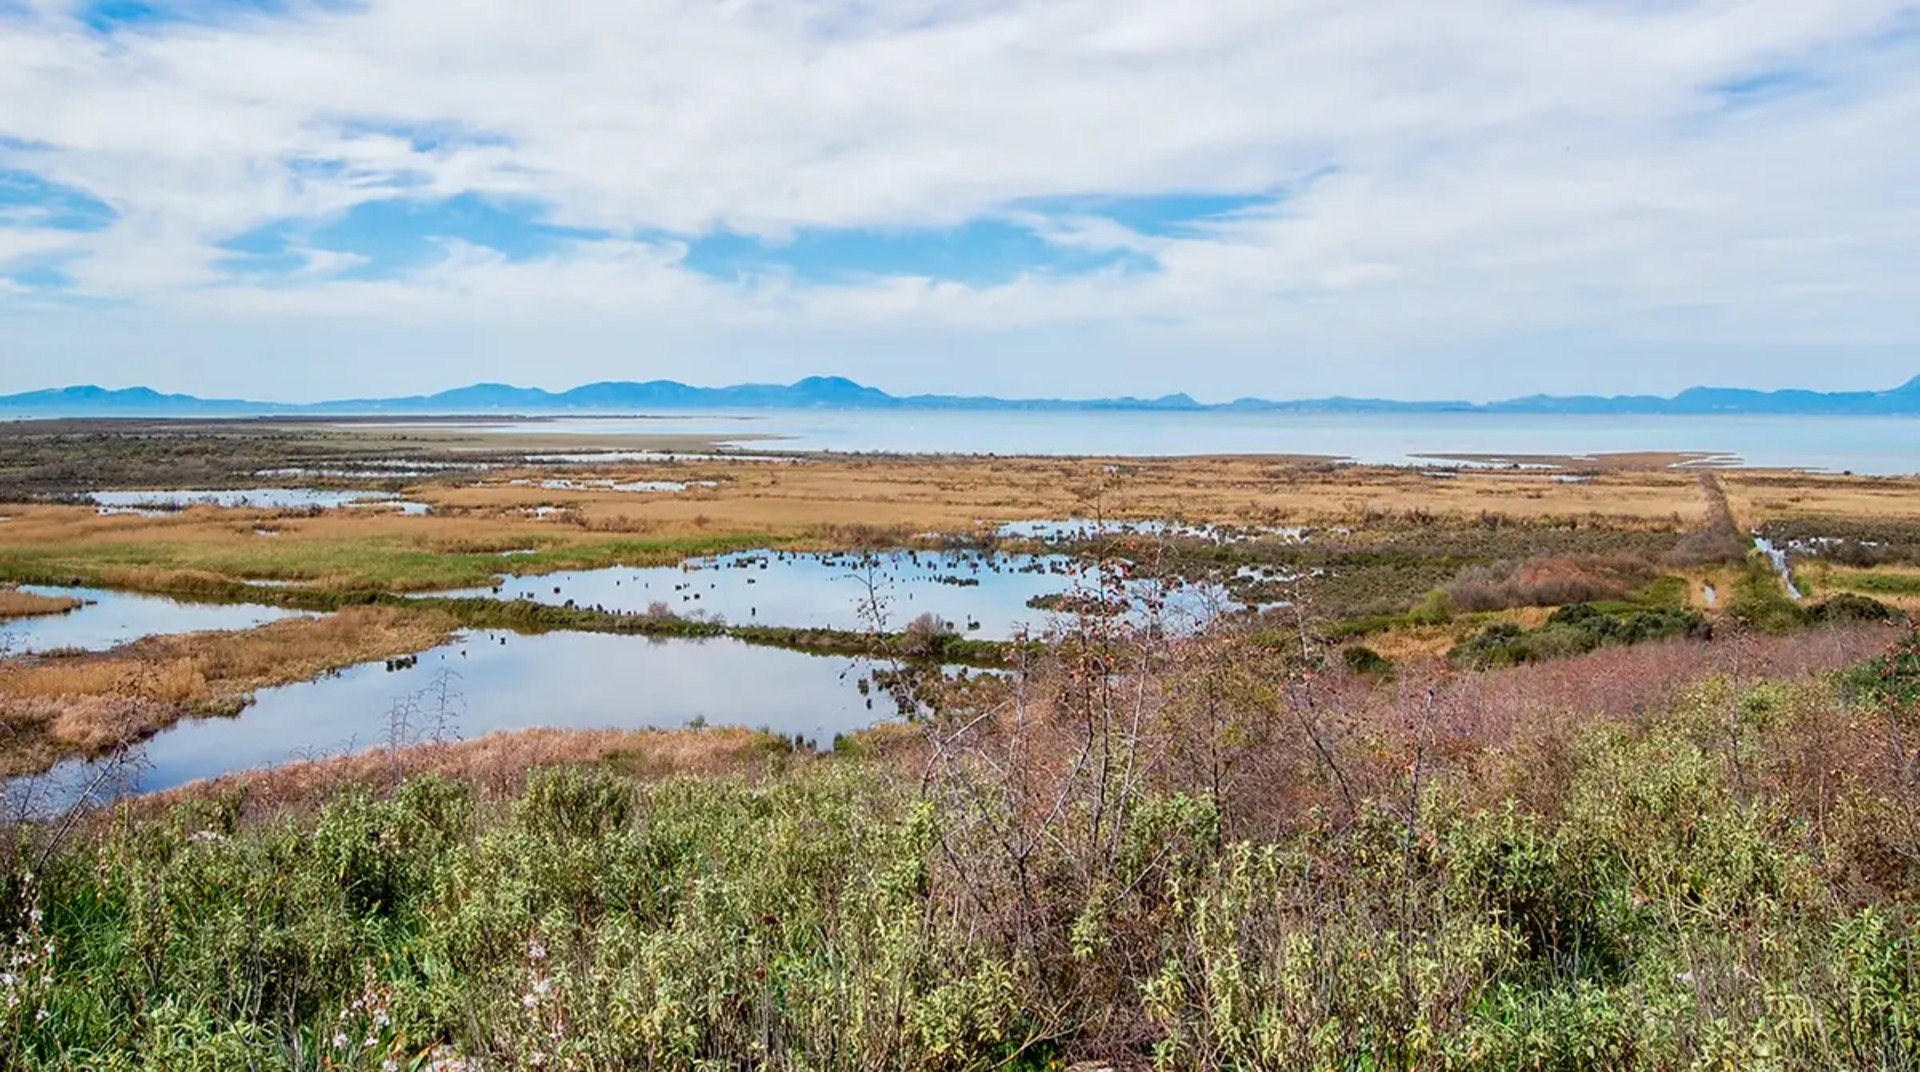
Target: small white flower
[
  {"x": 389, "y": 1065},
  {"x": 340, "y": 1040},
  {"x": 8, "y": 979},
  {"x": 41, "y": 1016},
  {"x": 541, "y": 987},
  {"x": 536, "y": 951},
  {"x": 528, "y": 1001}
]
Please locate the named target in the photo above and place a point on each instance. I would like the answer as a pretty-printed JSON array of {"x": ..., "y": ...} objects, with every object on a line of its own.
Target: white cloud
[{"x": 1468, "y": 182}]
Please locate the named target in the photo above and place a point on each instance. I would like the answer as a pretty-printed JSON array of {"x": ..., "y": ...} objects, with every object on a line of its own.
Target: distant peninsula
[{"x": 833, "y": 392}]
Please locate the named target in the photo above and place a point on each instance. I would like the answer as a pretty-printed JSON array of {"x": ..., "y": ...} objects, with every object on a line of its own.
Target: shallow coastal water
[{"x": 1875, "y": 445}]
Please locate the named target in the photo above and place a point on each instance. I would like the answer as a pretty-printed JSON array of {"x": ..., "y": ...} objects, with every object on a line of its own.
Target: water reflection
[
  {"x": 109, "y": 619},
  {"x": 1778, "y": 557},
  {"x": 250, "y": 498},
  {"x": 609, "y": 484},
  {"x": 982, "y": 595},
  {"x": 486, "y": 682},
  {"x": 1083, "y": 530}
]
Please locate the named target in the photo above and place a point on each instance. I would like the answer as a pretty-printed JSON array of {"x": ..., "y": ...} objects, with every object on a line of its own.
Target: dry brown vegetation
[
  {"x": 52, "y": 706},
  {"x": 1548, "y": 582},
  {"x": 17, "y": 604},
  {"x": 1280, "y": 747},
  {"x": 807, "y": 504}
]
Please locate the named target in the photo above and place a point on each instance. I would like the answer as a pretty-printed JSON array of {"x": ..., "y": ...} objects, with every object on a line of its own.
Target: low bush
[
  {"x": 1549, "y": 582},
  {"x": 1575, "y": 629}
]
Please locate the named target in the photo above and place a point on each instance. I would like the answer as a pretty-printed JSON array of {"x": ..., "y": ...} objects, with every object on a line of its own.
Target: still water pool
[
  {"x": 109, "y": 619},
  {"x": 485, "y": 682},
  {"x": 985, "y": 596}
]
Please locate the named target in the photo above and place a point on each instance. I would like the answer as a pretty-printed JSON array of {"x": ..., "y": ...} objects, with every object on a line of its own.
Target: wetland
[{"x": 411, "y": 707}]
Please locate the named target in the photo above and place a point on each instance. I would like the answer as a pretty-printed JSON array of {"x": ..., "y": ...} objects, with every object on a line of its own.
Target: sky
[{"x": 296, "y": 200}]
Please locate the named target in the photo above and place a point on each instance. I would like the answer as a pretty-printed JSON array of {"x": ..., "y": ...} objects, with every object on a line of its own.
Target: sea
[{"x": 1880, "y": 446}]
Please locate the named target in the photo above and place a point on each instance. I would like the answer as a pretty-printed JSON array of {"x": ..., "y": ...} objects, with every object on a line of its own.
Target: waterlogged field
[{"x": 605, "y": 757}]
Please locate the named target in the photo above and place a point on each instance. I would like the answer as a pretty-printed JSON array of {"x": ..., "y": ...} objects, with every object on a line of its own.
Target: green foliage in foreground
[{"x": 1662, "y": 910}]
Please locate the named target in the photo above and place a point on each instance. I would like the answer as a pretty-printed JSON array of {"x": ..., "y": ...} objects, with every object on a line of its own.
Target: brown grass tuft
[
  {"x": 17, "y": 604},
  {"x": 85, "y": 704}
]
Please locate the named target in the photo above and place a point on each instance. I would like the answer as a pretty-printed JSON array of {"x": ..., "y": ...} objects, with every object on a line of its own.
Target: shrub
[
  {"x": 1573, "y": 630},
  {"x": 926, "y": 636},
  {"x": 1848, "y": 607},
  {"x": 1548, "y": 582},
  {"x": 1360, "y": 659}
]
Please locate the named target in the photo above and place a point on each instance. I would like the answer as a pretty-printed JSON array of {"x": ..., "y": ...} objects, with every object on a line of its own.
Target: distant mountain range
[{"x": 833, "y": 392}]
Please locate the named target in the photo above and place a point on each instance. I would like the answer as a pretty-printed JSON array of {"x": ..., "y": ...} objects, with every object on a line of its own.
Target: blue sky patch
[
  {"x": 27, "y": 200},
  {"x": 1159, "y": 215},
  {"x": 1762, "y": 87},
  {"x": 401, "y": 235},
  {"x": 40, "y": 277},
  {"x": 425, "y": 137},
  {"x": 115, "y": 16},
  {"x": 980, "y": 253}
]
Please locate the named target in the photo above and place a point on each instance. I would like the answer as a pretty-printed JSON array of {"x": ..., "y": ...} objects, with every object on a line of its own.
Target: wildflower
[
  {"x": 389, "y": 1065},
  {"x": 528, "y": 1001},
  {"x": 541, "y": 987},
  {"x": 340, "y": 1040},
  {"x": 536, "y": 951}
]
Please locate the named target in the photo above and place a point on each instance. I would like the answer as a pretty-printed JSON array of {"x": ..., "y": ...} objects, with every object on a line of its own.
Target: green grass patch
[{"x": 1876, "y": 583}]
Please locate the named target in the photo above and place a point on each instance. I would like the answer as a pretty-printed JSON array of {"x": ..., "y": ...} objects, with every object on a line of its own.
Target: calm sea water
[{"x": 1876, "y": 445}]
